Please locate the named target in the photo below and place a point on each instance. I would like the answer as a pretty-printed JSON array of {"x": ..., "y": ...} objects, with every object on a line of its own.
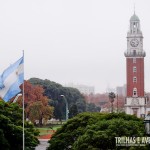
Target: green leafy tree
[
  {"x": 73, "y": 111},
  {"x": 11, "y": 129},
  {"x": 94, "y": 131},
  {"x": 91, "y": 107},
  {"x": 53, "y": 91}
]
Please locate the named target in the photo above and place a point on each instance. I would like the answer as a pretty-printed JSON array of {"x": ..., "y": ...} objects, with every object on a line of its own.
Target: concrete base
[{"x": 136, "y": 106}]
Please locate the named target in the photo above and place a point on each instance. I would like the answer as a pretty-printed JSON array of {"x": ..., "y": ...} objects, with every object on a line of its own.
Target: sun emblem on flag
[{"x": 17, "y": 72}]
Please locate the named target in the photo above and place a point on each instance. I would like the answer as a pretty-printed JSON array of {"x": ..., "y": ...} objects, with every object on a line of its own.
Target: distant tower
[{"x": 135, "y": 102}]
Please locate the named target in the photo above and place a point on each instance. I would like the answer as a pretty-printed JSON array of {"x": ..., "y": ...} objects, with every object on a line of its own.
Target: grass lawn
[{"x": 46, "y": 130}]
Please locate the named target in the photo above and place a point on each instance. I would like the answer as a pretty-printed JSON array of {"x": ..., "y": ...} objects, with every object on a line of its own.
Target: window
[
  {"x": 135, "y": 92},
  {"x": 134, "y": 79},
  {"x": 134, "y": 69},
  {"x": 134, "y": 60},
  {"x": 134, "y": 52}
]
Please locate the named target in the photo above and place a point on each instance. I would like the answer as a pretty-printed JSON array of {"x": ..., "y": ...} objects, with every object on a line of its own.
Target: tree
[
  {"x": 111, "y": 98},
  {"x": 37, "y": 111},
  {"x": 91, "y": 107},
  {"x": 36, "y": 104},
  {"x": 11, "y": 129},
  {"x": 73, "y": 111},
  {"x": 53, "y": 91},
  {"x": 93, "y": 131}
]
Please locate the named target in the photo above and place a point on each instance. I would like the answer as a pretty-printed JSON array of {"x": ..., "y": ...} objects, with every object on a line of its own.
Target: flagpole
[{"x": 23, "y": 105}]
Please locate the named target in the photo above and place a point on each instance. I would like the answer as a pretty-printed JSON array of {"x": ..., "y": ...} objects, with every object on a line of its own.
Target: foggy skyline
[{"x": 80, "y": 42}]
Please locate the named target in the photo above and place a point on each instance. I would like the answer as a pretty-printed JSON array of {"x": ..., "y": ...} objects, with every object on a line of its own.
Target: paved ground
[{"x": 43, "y": 144}]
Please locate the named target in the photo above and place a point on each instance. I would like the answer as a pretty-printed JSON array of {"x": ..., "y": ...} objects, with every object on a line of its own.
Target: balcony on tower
[{"x": 134, "y": 53}]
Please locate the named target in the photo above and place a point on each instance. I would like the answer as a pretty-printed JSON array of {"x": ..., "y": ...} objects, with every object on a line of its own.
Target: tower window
[
  {"x": 134, "y": 52},
  {"x": 134, "y": 69},
  {"x": 134, "y": 60},
  {"x": 135, "y": 92},
  {"x": 134, "y": 79}
]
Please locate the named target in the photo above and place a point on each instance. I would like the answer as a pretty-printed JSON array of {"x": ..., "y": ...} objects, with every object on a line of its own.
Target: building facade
[
  {"x": 121, "y": 90},
  {"x": 84, "y": 89},
  {"x": 135, "y": 102}
]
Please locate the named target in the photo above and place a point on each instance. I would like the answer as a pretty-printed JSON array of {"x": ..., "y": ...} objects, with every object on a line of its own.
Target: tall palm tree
[{"x": 111, "y": 98}]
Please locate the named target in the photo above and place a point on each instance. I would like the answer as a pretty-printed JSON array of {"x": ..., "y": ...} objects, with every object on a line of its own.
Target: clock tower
[{"x": 135, "y": 102}]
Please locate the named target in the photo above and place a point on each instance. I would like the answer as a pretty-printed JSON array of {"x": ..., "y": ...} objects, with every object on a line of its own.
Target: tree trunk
[{"x": 40, "y": 120}]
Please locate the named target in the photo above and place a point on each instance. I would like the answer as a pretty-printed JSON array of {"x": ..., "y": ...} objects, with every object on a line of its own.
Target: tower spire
[{"x": 134, "y": 8}]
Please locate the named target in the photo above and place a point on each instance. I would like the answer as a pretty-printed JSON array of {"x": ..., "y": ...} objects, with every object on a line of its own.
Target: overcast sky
[{"x": 78, "y": 41}]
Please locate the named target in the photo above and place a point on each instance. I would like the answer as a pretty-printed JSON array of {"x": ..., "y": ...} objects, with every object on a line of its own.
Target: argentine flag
[{"x": 11, "y": 79}]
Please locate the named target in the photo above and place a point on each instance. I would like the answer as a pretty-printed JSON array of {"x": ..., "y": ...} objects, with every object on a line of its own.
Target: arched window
[
  {"x": 135, "y": 92},
  {"x": 134, "y": 25},
  {"x": 134, "y": 79},
  {"x": 134, "y": 68}
]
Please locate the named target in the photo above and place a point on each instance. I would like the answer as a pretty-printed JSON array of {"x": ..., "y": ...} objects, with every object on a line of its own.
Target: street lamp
[
  {"x": 67, "y": 111},
  {"x": 147, "y": 124}
]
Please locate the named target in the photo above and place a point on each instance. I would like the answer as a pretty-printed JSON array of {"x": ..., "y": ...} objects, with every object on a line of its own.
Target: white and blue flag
[{"x": 11, "y": 79}]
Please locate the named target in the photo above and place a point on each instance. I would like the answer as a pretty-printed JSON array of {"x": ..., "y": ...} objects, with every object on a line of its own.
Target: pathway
[{"x": 43, "y": 144}]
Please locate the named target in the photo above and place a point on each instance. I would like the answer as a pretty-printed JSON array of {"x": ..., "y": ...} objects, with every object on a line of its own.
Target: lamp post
[
  {"x": 117, "y": 103},
  {"x": 147, "y": 124},
  {"x": 111, "y": 99},
  {"x": 67, "y": 111}
]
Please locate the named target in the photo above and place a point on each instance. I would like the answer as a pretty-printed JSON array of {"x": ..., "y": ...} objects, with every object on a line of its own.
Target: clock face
[{"x": 134, "y": 42}]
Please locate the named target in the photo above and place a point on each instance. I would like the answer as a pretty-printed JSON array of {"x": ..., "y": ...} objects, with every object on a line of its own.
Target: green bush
[
  {"x": 95, "y": 131},
  {"x": 11, "y": 129}
]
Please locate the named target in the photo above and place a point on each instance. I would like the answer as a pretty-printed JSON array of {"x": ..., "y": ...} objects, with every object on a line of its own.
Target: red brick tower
[{"x": 135, "y": 102}]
